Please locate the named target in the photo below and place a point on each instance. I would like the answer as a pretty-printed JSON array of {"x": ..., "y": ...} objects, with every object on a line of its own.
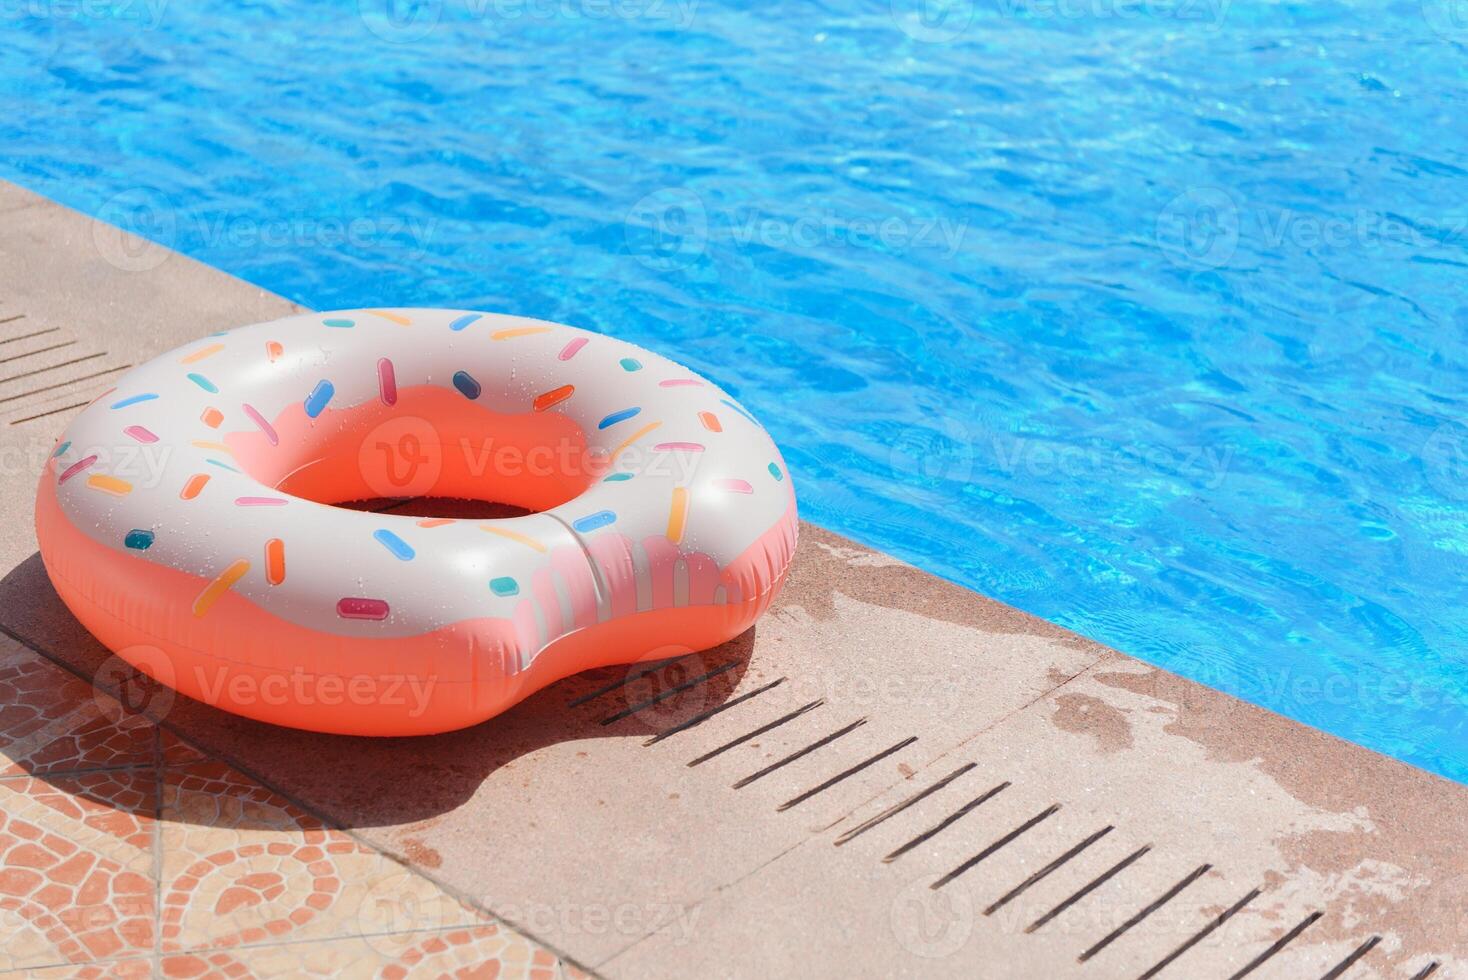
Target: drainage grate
[{"x": 32, "y": 389}]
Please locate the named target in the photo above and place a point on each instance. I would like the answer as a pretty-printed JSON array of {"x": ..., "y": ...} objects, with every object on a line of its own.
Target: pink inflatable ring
[{"x": 186, "y": 517}]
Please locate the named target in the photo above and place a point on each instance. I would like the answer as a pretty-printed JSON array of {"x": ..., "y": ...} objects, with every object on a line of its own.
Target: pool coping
[{"x": 1319, "y": 825}]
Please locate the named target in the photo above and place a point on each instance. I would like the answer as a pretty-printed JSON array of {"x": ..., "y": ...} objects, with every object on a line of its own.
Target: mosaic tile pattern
[{"x": 125, "y": 852}]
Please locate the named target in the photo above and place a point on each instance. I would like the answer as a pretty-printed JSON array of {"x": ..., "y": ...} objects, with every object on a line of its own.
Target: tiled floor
[{"x": 125, "y": 852}]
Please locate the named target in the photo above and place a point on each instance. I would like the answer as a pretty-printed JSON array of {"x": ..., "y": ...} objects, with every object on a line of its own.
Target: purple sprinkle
[
  {"x": 265, "y": 426},
  {"x": 76, "y": 468}
]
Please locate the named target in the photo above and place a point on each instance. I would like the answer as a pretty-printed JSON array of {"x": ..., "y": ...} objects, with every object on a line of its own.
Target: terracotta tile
[
  {"x": 102, "y": 814},
  {"x": 124, "y": 969}
]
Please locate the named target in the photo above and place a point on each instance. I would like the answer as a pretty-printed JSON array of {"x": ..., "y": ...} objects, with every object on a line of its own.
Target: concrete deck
[{"x": 566, "y": 820}]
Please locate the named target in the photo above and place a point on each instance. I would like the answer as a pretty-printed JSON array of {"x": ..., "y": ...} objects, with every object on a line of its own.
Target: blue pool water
[{"x": 1146, "y": 316}]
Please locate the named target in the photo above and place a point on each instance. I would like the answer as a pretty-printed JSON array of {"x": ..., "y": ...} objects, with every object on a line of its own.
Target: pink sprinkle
[
  {"x": 569, "y": 351},
  {"x": 260, "y": 501},
  {"x": 361, "y": 608},
  {"x": 681, "y": 383},
  {"x": 387, "y": 382},
  {"x": 674, "y": 447},
  {"x": 734, "y": 486},
  {"x": 76, "y": 468},
  {"x": 140, "y": 434},
  {"x": 265, "y": 426}
]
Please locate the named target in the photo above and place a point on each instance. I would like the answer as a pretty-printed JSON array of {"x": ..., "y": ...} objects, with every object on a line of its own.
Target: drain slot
[
  {"x": 1201, "y": 934},
  {"x": 767, "y": 727},
  {"x": 799, "y": 753},
  {"x": 1278, "y": 945},
  {"x": 63, "y": 384},
  {"x": 947, "y": 822},
  {"x": 1350, "y": 961},
  {"x": 1047, "y": 870},
  {"x": 897, "y": 808},
  {"x": 847, "y": 773},
  {"x": 1002, "y": 842},
  {"x": 704, "y": 716},
  {"x": 1427, "y": 971},
  {"x": 43, "y": 350},
  {"x": 631, "y": 676},
  {"x": 632, "y": 709},
  {"x": 28, "y": 336},
  {"x": 1145, "y": 911},
  {"x": 1095, "y": 883}
]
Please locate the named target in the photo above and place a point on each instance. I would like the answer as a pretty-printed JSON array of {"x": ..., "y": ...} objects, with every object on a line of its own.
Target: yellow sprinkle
[
  {"x": 514, "y": 536},
  {"x": 677, "y": 514},
  {"x": 394, "y": 317},
  {"x": 199, "y": 355},
  {"x": 217, "y": 588},
  {"x": 109, "y": 484},
  {"x": 216, "y": 446},
  {"x": 514, "y": 332},
  {"x": 633, "y": 438}
]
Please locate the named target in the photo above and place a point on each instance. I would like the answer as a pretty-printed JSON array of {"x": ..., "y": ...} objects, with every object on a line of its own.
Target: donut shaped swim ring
[{"x": 186, "y": 517}]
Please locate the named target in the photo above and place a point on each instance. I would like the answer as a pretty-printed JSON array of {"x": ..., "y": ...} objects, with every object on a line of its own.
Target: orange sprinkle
[
  {"x": 216, "y": 589},
  {"x": 109, "y": 484},
  {"x": 273, "y": 350},
  {"x": 514, "y": 536},
  {"x": 514, "y": 332},
  {"x": 199, "y": 355},
  {"x": 212, "y": 417},
  {"x": 678, "y": 514},
  {"x": 631, "y": 439},
  {"x": 275, "y": 561},
  {"x": 394, "y": 317},
  {"x": 554, "y": 397},
  {"x": 218, "y": 447},
  {"x": 710, "y": 421},
  {"x": 195, "y": 484},
  {"x": 434, "y": 522}
]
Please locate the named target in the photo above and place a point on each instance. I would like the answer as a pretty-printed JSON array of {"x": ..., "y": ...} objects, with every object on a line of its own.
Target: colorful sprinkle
[
  {"x": 260, "y": 501},
  {"x": 221, "y": 465},
  {"x": 76, "y": 468},
  {"x": 262, "y": 425},
  {"x": 678, "y": 514},
  {"x": 138, "y": 539},
  {"x": 681, "y": 383},
  {"x": 464, "y": 321},
  {"x": 100, "y": 397},
  {"x": 631, "y": 364},
  {"x": 738, "y": 409},
  {"x": 199, "y": 355},
  {"x": 616, "y": 417},
  {"x": 204, "y": 383},
  {"x": 397, "y": 318},
  {"x": 61, "y": 449},
  {"x": 710, "y": 421},
  {"x": 275, "y": 561},
  {"x": 554, "y": 397},
  {"x": 320, "y": 395},
  {"x": 109, "y": 484},
  {"x": 216, "y": 446},
  {"x": 593, "y": 521},
  {"x": 570, "y": 350},
  {"x": 195, "y": 484},
  {"x": 400, "y": 548},
  {"x": 515, "y": 536},
  {"x": 273, "y": 350},
  {"x": 216, "y": 589},
  {"x": 617, "y": 478},
  {"x": 435, "y": 521},
  {"x": 775, "y": 472},
  {"x": 633, "y": 438},
  {"x": 678, "y": 447},
  {"x": 504, "y": 586},
  {"x": 134, "y": 400},
  {"x": 140, "y": 433},
  {"x": 362, "y": 608},
  {"x": 212, "y": 417},
  {"x": 514, "y": 332},
  {"x": 734, "y": 486},
  {"x": 466, "y": 384},
  {"x": 341, "y": 323},
  {"x": 387, "y": 382}
]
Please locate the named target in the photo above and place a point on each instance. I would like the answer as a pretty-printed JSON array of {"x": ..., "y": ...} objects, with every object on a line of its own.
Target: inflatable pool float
[{"x": 186, "y": 517}]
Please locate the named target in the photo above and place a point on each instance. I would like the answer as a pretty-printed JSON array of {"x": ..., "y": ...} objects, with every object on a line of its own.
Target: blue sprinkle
[
  {"x": 616, "y": 417},
  {"x": 220, "y": 333},
  {"x": 395, "y": 544},
  {"x": 61, "y": 449},
  {"x": 320, "y": 395},
  {"x": 204, "y": 383},
  {"x": 463, "y": 322},
  {"x": 617, "y": 478},
  {"x": 738, "y": 409},
  {"x": 631, "y": 364},
  {"x": 775, "y": 472},
  {"x": 223, "y": 465},
  {"x": 135, "y": 399},
  {"x": 466, "y": 384},
  {"x": 138, "y": 539},
  {"x": 504, "y": 586},
  {"x": 593, "y": 521},
  {"x": 339, "y": 322}
]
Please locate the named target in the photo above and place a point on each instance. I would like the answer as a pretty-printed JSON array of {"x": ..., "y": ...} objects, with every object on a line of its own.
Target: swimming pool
[{"x": 1146, "y": 317}]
